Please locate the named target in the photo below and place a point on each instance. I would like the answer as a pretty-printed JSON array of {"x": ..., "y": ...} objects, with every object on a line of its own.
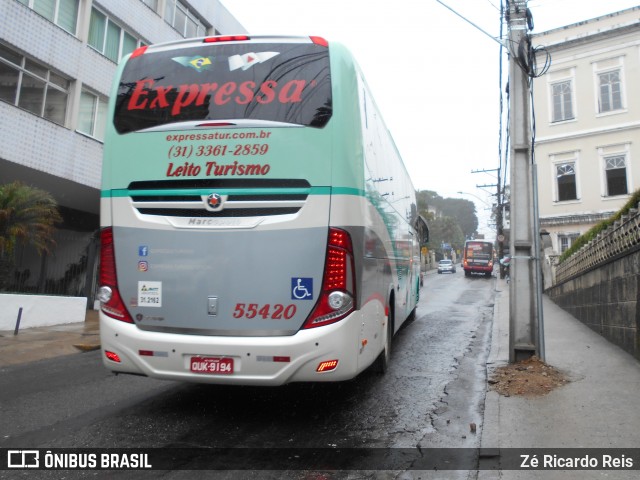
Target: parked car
[{"x": 446, "y": 266}]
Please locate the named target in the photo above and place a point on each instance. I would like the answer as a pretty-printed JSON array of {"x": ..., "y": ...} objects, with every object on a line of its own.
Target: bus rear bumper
[
  {"x": 479, "y": 269},
  {"x": 255, "y": 360}
]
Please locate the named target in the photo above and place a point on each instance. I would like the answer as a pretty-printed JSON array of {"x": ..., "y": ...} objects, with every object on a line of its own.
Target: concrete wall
[
  {"x": 605, "y": 298},
  {"x": 40, "y": 310}
]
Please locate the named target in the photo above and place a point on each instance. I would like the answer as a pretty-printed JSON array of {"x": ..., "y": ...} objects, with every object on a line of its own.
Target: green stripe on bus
[
  {"x": 228, "y": 191},
  {"x": 348, "y": 191}
]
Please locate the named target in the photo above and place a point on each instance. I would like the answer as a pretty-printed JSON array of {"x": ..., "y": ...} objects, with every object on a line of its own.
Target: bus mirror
[{"x": 423, "y": 230}]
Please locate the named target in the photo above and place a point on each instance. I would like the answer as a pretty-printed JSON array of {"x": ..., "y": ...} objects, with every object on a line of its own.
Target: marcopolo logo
[{"x": 214, "y": 201}]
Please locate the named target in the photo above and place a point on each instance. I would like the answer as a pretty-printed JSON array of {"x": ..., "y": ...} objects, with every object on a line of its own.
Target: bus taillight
[
  {"x": 337, "y": 298},
  {"x": 111, "y": 303},
  {"x": 226, "y": 38},
  {"x": 139, "y": 51},
  {"x": 319, "y": 41}
]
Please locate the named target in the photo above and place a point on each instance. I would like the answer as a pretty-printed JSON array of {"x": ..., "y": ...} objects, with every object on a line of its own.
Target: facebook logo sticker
[
  {"x": 143, "y": 250},
  {"x": 301, "y": 288}
]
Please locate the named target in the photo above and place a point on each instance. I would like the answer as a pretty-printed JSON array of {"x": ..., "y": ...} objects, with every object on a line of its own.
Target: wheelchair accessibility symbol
[{"x": 301, "y": 288}]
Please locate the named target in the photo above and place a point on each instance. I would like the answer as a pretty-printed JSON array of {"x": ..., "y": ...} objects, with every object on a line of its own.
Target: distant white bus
[{"x": 258, "y": 225}]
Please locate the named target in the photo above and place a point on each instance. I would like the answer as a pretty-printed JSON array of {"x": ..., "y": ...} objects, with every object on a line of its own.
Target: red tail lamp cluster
[
  {"x": 110, "y": 300},
  {"x": 337, "y": 297}
]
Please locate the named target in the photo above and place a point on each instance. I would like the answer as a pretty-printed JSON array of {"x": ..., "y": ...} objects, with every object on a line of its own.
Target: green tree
[
  {"x": 27, "y": 216},
  {"x": 462, "y": 211},
  {"x": 445, "y": 230}
]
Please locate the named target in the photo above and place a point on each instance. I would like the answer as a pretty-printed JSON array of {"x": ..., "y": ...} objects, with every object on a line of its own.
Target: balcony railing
[{"x": 619, "y": 238}]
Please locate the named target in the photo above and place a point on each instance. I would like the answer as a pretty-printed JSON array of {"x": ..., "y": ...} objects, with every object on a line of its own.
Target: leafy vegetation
[
  {"x": 27, "y": 216},
  {"x": 603, "y": 225},
  {"x": 454, "y": 222}
]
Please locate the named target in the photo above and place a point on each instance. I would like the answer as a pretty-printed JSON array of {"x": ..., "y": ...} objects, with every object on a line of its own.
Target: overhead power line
[{"x": 471, "y": 23}]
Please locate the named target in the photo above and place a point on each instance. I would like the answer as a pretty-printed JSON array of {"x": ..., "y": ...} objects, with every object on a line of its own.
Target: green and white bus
[{"x": 258, "y": 226}]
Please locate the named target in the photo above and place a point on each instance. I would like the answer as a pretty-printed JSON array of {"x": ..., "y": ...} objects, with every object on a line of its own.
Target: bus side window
[{"x": 423, "y": 230}]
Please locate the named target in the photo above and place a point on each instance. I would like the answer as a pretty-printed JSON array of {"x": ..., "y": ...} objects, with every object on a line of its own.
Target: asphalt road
[{"x": 430, "y": 397}]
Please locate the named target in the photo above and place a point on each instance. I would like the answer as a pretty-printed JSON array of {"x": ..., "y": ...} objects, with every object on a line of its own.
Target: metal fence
[{"x": 70, "y": 269}]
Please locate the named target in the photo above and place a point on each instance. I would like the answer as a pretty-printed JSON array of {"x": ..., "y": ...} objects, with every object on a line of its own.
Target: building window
[
  {"x": 63, "y": 13},
  {"x": 610, "y": 87},
  {"x": 183, "y": 20},
  {"x": 565, "y": 241},
  {"x": 562, "y": 101},
  {"x": 92, "y": 116},
  {"x": 616, "y": 174},
  {"x": 32, "y": 86},
  {"x": 152, "y": 4},
  {"x": 566, "y": 181},
  {"x": 108, "y": 38}
]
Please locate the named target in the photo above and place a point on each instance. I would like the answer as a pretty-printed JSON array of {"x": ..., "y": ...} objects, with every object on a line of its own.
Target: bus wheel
[{"x": 381, "y": 364}]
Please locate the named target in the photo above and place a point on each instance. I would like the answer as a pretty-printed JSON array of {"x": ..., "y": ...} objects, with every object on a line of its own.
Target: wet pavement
[
  {"x": 597, "y": 409},
  {"x": 422, "y": 402}
]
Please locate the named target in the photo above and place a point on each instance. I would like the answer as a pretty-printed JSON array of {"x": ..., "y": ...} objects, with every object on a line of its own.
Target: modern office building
[
  {"x": 57, "y": 62},
  {"x": 587, "y": 111}
]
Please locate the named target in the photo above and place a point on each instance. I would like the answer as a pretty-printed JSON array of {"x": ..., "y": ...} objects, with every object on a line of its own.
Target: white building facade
[
  {"x": 587, "y": 111},
  {"x": 57, "y": 63}
]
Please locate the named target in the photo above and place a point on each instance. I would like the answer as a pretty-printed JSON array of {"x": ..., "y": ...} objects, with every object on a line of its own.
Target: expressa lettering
[{"x": 148, "y": 96}]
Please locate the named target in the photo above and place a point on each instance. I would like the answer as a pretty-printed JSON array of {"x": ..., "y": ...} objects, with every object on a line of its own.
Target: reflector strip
[
  {"x": 112, "y": 356},
  {"x": 151, "y": 353},
  {"x": 266, "y": 358}
]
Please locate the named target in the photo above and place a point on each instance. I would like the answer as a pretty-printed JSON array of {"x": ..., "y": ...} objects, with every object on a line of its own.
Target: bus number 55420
[{"x": 275, "y": 312}]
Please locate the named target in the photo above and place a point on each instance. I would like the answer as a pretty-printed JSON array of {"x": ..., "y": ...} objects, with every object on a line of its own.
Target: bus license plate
[{"x": 212, "y": 365}]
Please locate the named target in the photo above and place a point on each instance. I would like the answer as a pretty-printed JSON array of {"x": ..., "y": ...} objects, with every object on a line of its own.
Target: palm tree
[{"x": 27, "y": 216}]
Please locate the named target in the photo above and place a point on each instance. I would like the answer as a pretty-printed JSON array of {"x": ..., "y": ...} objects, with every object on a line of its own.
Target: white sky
[{"x": 433, "y": 75}]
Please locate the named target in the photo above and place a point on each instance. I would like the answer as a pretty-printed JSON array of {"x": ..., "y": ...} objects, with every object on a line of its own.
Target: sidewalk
[
  {"x": 598, "y": 408},
  {"x": 39, "y": 343}
]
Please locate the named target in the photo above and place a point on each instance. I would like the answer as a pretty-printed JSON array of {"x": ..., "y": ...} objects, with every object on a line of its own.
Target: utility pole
[
  {"x": 500, "y": 230},
  {"x": 500, "y": 226},
  {"x": 524, "y": 314}
]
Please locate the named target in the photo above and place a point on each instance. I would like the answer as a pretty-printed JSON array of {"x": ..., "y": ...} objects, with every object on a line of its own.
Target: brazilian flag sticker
[{"x": 197, "y": 63}]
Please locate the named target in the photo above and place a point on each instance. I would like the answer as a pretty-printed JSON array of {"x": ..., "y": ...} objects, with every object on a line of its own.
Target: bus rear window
[
  {"x": 482, "y": 250},
  {"x": 281, "y": 82}
]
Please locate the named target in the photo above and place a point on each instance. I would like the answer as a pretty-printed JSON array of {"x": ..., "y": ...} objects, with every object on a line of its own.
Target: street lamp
[
  {"x": 487, "y": 204},
  {"x": 483, "y": 201}
]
